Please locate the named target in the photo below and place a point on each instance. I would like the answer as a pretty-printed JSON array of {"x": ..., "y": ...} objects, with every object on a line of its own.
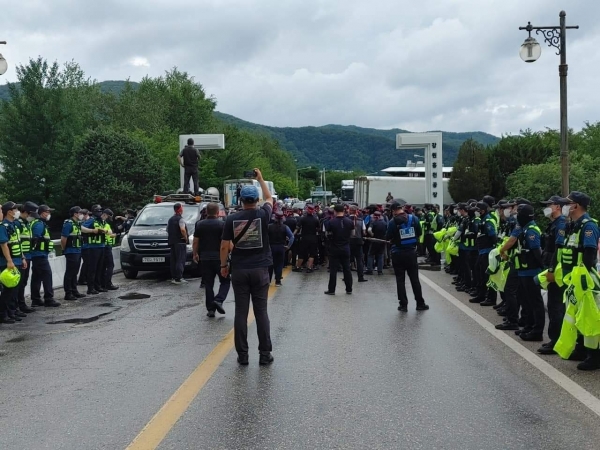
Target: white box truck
[{"x": 373, "y": 190}]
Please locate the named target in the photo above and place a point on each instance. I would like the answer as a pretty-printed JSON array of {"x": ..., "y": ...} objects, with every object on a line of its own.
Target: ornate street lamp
[
  {"x": 3, "y": 63},
  {"x": 530, "y": 51}
]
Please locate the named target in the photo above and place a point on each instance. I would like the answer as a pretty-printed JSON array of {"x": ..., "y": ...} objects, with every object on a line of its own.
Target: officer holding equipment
[
  {"x": 71, "y": 243},
  {"x": 23, "y": 224},
  {"x": 11, "y": 258},
  {"x": 42, "y": 245}
]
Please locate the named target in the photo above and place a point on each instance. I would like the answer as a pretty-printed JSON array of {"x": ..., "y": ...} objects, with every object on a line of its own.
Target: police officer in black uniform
[{"x": 339, "y": 230}]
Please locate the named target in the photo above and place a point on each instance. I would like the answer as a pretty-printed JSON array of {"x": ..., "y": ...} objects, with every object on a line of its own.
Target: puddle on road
[
  {"x": 134, "y": 296},
  {"x": 21, "y": 338},
  {"x": 179, "y": 308},
  {"x": 82, "y": 320},
  {"x": 106, "y": 305}
]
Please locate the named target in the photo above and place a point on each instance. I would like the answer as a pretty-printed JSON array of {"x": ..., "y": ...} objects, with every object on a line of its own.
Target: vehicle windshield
[{"x": 160, "y": 215}]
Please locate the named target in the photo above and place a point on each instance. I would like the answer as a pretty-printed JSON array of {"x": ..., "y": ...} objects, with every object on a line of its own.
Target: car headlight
[{"x": 125, "y": 244}]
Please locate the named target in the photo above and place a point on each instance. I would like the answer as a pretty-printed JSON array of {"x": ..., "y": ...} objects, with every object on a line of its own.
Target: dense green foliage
[
  {"x": 470, "y": 177},
  {"x": 65, "y": 139}
]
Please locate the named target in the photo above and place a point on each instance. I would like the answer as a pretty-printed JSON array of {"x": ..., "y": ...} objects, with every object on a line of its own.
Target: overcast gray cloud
[{"x": 420, "y": 65}]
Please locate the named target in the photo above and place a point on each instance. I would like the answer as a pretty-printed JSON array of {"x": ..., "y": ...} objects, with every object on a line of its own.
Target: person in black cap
[
  {"x": 520, "y": 289},
  {"x": 82, "y": 280},
  {"x": 467, "y": 254},
  {"x": 178, "y": 239},
  {"x": 485, "y": 242},
  {"x": 41, "y": 272},
  {"x": 11, "y": 257},
  {"x": 339, "y": 231},
  {"x": 404, "y": 231},
  {"x": 554, "y": 239},
  {"x": 96, "y": 241},
  {"x": 24, "y": 225},
  {"x": 581, "y": 247},
  {"x": 71, "y": 243},
  {"x": 108, "y": 262}
]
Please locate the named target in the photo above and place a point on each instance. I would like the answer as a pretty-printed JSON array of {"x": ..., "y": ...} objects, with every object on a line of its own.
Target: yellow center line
[{"x": 167, "y": 416}]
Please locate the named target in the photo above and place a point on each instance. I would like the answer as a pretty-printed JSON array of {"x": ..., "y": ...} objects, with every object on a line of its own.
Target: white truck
[
  {"x": 373, "y": 190},
  {"x": 347, "y": 190}
]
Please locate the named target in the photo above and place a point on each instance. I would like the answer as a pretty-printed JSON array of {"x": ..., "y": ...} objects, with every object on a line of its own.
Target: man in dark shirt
[
  {"x": 188, "y": 159},
  {"x": 339, "y": 229},
  {"x": 308, "y": 228},
  {"x": 178, "y": 239},
  {"x": 290, "y": 257},
  {"x": 206, "y": 251},
  {"x": 377, "y": 230},
  {"x": 251, "y": 257}
]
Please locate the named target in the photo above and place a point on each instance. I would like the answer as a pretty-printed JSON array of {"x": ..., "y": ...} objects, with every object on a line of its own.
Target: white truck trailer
[{"x": 372, "y": 190}]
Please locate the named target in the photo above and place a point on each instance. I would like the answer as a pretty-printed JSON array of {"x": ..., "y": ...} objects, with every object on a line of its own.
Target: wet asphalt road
[{"x": 349, "y": 372}]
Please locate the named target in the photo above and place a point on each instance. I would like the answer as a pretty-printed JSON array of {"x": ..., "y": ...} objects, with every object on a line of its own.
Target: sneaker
[
  {"x": 176, "y": 281},
  {"x": 210, "y": 314},
  {"x": 297, "y": 269},
  {"x": 278, "y": 283},
  {"x": 422, "y": 307}
]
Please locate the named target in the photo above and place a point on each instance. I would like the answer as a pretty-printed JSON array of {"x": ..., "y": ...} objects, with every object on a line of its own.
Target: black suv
[{"x": 145, "y": 247}]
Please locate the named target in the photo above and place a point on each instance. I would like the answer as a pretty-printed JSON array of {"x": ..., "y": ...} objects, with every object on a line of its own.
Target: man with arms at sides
[{"x": 251, "y": 257}]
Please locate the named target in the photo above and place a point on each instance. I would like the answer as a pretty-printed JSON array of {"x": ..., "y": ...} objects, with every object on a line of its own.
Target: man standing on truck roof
[{"x": 188, "y": 159}]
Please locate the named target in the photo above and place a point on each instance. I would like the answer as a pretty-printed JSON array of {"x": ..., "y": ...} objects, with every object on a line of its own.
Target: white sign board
[
  {"x": 432, "y": 143},
  {"x": 321, "y": 194},
  {"x": 201, "y": 142}
]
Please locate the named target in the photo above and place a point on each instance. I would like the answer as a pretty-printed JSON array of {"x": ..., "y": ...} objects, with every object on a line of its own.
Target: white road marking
[{"x": 584, "y": 396}]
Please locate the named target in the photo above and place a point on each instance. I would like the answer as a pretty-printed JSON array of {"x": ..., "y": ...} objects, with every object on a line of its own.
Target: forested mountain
[{"x": 336, "y": 146}]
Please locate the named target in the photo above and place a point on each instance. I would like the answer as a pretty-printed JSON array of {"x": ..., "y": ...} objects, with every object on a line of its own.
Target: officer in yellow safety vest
[
  {"x": 554, "y": 241},
  {"x": 581, "y": 248},
  {"x": 96, "y": 241},
  {"x": 11, "y": 257},
  {"x": 109, "y": 263},
  {"x": 24, "y": 226},
  {"x": 71, "y": 243},
  {"x": 42, "y": 245}
]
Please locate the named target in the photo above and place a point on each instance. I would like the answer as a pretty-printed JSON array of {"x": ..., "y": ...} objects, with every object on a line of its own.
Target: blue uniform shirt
[
  {"x": 17, "y": 261},
  {"x": 66, "y": 232},
  {"x": 38, "y": 231},
  {"x": 560, "y": 227},
  {"x": 488, "y": 229},
  {"x": 534, "y": 242},
  {"x": 589, "y": 232}
]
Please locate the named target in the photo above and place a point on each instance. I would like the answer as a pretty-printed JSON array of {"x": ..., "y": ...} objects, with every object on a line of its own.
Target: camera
[{"x": 249, "y": 174}]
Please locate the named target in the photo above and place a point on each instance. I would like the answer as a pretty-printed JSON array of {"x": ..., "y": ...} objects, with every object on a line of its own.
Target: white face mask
[
  {"x": 507, "y": 212},
  {"x": 566, "y": 210},
  {"x": 48, "y": 217},
  {"x": 17, "y": 214},
  {"x": 80, "y": 217},
  {"x": 456, "y": 211},
  {"x": 477, "y": 214},
  {"x": 547, "y": 211},
  {"x": 30, "y": 219}
]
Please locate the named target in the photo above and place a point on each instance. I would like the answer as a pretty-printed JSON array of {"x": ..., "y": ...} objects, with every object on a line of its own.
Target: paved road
[{"x": 349, "y": 372}]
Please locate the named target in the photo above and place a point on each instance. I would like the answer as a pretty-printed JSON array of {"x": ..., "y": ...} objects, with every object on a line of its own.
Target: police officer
[
  {"x": 404, "y": 231},
  {"x": 339, "y": 231},
  {"x": 280, "y": 239},
  {"x": 554, "y": 239},
  {"x": 11, "y": 258},
  {"x": 467, "y": 254},
  {"x": 82, "y": 281},
  {"x": 357, "y": 243},
  {"x": 308, "y": 229},
  {"x": 485, "y": 242},
  {"x": 581, "y": 247},
  {"x": 178, "y": 239},
  {"x": 377, "y": 230},
  {"x": 23, "y": 224},
  {"x": 108, "y": 261},
  {"x": 41, "y": 272},
  {"x": 96, "y": 241},
  {"x": 71, "y": 243}
]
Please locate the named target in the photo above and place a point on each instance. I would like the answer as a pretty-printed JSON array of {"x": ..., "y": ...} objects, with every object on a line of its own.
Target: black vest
[{"x": 174, "y": 232}]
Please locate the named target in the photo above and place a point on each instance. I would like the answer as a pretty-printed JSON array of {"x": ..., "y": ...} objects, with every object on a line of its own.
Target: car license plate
[{"x": 153, "y": 260}]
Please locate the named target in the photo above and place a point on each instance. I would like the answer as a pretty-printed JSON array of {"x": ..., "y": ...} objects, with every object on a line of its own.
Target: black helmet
[{"x": 489, "y": 200}]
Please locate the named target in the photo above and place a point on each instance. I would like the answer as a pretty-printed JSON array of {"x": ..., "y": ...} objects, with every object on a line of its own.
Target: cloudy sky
[{"x": 419, "y": 65}]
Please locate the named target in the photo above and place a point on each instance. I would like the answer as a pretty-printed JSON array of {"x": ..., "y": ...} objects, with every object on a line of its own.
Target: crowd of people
[{"x": 87, "y": 238}]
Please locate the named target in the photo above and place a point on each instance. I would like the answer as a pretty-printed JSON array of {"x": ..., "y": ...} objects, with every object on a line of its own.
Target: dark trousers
[
  {"x": 278, "y": 252},
  {"x": 434, "y": 256},
  {"x": 511, "y": 290},
  {"x": 23, "y": 283},
  {"x": 337, "y": 259},
  {"x": 253, "y": 283},
  {"x": 356, "y": 252},
  {"x": 405, "y": 262},
  {"x": 532, "y": 303},
  {"x": 178, "y": 252},
  {"x": 468, "y": 258},
  {"x": 556, "y": 311},
  {"x": 210, "y": 270},
  {"x": 6, "y": 298},
  {"x": 109, "y": 267},
  {"x": 41, "y": 275},
  {"x": 84, "y": 266},
  {"x": 95, "y": 261},
  {"x": 378, "y": 259},
  {"x": 73, "y": 261},
  {"x": 187, "y": 174},
  {"x": 481, "y": 266}
]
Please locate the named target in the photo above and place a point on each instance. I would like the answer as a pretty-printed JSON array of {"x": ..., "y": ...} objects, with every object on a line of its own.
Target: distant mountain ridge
[{"x": 341, "y": 147}]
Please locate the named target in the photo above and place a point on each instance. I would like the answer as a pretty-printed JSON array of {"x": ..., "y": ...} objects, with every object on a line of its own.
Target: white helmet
[{"x": 213, "y": 191}]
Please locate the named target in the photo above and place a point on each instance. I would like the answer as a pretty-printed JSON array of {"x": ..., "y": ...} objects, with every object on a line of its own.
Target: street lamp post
[
  {"x": 530, "y": 51},
  {"x": 3, "y": 63}
]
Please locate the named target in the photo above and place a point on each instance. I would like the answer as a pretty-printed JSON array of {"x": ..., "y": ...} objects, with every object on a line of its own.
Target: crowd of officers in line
[
  {"x": 502, "y": 250},
  {"x": 87, "y": 238}
]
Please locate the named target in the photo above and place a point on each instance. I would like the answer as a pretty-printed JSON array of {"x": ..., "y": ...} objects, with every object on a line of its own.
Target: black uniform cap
[
  {"x": 108, "y": 212},
  {"x": 462, "y": 206},
  {"x": 84, "y": 211},
  {"x": 578, "y": 197},
  {"x": 44, "y": 208},
  {"x": 395, "y": 206},
  {"x": 489, "y": 200},
  {"x": 74, "y": 210},
  {"x": 525, "y": 210},
  {"x": 482, "y": 206},
  {"x": 501, "y": 204},
  {"x": 8, "y": 206},
  {"x": 555, "y": 200}
]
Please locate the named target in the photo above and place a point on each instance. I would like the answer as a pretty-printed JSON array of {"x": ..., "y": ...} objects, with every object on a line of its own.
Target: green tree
[
  {"x": 470, "y": 174},
  {"x": 49, "y": 109},
  {"x": 124, "y": 171}
]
